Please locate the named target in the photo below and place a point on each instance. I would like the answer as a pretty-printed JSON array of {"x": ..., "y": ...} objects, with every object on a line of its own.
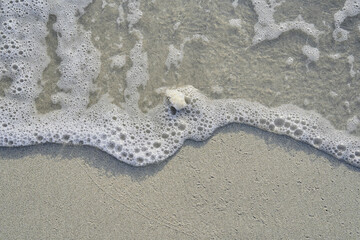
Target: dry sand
[{"x": 242, "y": 184}]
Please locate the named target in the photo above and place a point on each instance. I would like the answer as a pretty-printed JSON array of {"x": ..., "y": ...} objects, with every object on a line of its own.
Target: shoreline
[{"x": 229, "y": 191}]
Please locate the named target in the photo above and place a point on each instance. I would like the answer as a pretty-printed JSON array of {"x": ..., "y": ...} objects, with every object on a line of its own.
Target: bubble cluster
[
  {"x": 351, "y": 8},
  {"x": 162, "y": 132},
  {"x": 312, "y": 53},
  {"x": 267, "y": 29},
  {"x": 127, "y": 133}
]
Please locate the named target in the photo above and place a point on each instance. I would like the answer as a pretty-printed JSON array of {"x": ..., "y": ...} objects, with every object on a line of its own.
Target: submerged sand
[{"x": 242, "y": 184}]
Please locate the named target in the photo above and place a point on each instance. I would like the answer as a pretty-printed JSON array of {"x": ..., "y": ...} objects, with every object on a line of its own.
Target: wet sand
[{"x": 242, "y": 183}]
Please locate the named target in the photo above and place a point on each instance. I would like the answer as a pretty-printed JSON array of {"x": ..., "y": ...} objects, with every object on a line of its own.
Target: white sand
[{"x": 245, "y": 184}]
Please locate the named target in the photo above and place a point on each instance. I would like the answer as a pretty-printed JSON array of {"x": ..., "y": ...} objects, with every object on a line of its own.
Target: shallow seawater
[
  {"x": 119, "y": 57},
  {"x": 226, "y": 64},
  {"x": 270, "y": 52}
]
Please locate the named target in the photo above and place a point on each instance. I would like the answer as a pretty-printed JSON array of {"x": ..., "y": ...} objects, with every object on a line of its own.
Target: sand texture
[{"x": 242, "y": 184}]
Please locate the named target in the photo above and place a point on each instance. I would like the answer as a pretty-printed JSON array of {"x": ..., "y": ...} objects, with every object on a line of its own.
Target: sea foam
[{"x": 126, "y": 132}]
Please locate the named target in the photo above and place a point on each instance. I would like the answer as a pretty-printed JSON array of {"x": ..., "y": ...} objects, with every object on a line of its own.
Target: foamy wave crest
[{"x": 126, "y": 132}]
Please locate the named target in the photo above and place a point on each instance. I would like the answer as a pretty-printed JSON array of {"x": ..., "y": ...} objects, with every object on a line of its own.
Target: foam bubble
[
  {"x": 235, "y": 3},
  {"x": 289, "y": 61},
  {"x": 351, "y": 60},
  {"x": 235, "y": 23},
  {"x": 175, "y": 56},
  {"x": 118, "y": 61},
  {"x": 312, "y": 53},
  {"x": 125, "y": 132},
  {"x": 135, "y": 13},
  {"x": 351, "y": 8},
  {"x": 267, "y": 29}
]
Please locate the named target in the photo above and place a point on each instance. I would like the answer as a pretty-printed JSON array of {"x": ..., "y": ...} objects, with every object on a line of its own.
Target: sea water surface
[
  {"x": 215, "y": 41},
  {"x": 105, "y": 69}
]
